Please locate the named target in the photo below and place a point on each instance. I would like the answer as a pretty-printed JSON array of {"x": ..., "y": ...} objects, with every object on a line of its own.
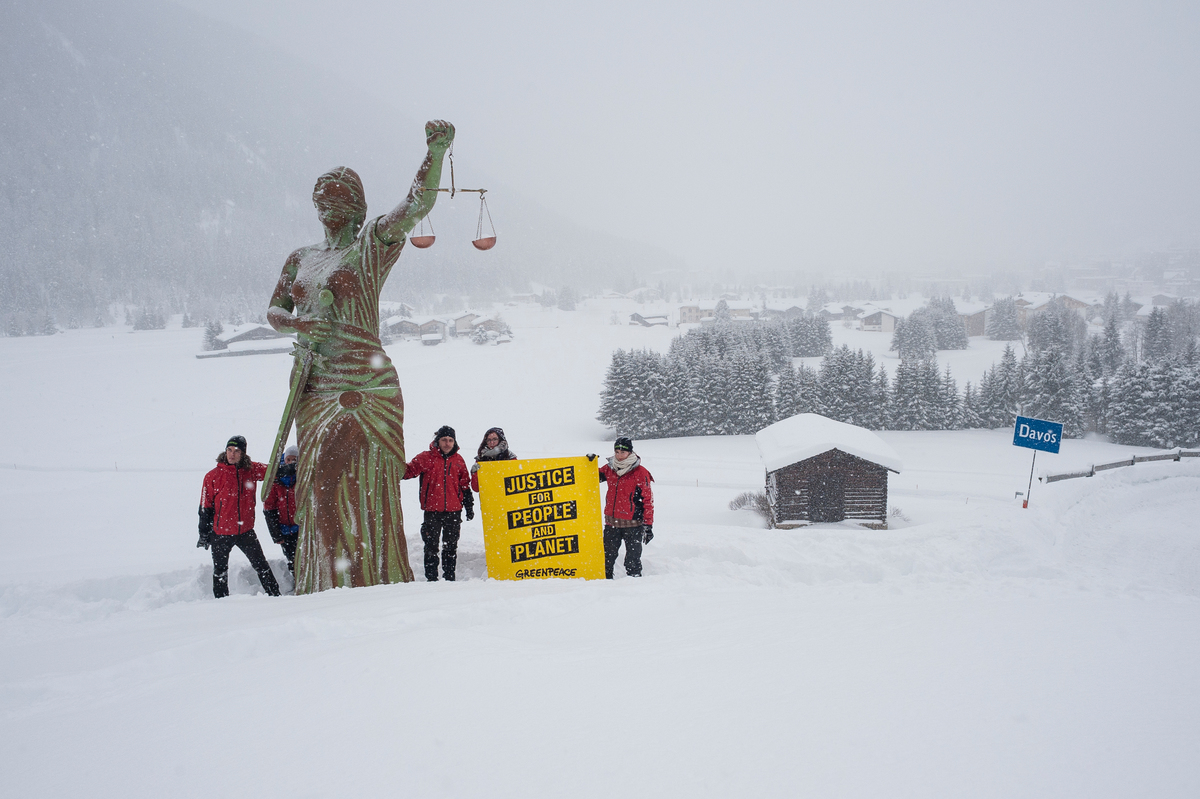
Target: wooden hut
[{"x": 821, "y": 471}]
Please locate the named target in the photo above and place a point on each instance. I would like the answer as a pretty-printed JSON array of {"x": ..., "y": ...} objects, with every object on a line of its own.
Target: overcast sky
[{"x": 865, "y": 136}]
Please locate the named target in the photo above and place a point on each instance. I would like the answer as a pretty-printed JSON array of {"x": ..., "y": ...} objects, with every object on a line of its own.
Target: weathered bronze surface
[{"x": 350, "y": 412}]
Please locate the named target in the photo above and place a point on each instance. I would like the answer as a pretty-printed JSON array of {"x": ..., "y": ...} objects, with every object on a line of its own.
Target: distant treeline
[{"x": 1137, "y": 382}]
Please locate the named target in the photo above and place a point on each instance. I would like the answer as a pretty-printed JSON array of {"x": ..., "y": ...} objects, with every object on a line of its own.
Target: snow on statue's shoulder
[{"x": 807, "y": 435}]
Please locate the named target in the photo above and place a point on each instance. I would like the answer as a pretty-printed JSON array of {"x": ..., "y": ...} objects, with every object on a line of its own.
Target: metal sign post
[{"x": 1036, "y": 434}]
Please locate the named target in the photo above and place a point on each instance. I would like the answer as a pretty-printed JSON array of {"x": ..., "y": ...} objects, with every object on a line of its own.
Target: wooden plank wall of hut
[{"x": 863, "y": 488}]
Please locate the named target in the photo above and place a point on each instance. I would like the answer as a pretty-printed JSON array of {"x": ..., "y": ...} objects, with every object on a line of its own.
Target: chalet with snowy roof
[
  {"x": 706, "y": 310},
  {"x": 1032, "y": 303},
  {"x": 462, "y": 325},
  {"x": 433, "y": 327},
  {"x": 645, "y": 294},
  {"x": 400, "y": 326},
  {"x": 833, "y": 311},
  {"x": 822, "y": 471},
  {"x": 974, "y": 316},
  {"x": 249, "y": 332},
  {"x": 249, "y": 339},
  {"x": 784, "y": 310},
  {"x": 491, "y": 324},
  {"x": 649, "y": 321},
  {"x": 878, "y": 320}
]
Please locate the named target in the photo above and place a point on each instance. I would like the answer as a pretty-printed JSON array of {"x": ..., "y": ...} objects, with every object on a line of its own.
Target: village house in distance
[{"x": 821, "y": 471}]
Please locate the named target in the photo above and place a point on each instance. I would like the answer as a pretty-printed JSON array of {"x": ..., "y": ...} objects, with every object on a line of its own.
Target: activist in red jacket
[
  {"x": 444, "y": 477},
  {"x": 229, "y": 492},
  {"x": 628, "y": 508},
  {"x": 227, "y": 515},
  {"x": 279, "y": 508},
  {"x": 445, "y": 491}
]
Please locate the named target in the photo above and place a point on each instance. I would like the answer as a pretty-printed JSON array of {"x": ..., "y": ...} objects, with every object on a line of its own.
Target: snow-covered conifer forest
[{"x": 1141, "y": 387}]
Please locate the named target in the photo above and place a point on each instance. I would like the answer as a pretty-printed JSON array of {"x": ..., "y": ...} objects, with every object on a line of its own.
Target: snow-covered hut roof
[
  {"x": 969, "y": 307},
  {"x": 250, "y": 331},
  {"x": 871, "y": 310},
  {"x": 807, "y": 435}
]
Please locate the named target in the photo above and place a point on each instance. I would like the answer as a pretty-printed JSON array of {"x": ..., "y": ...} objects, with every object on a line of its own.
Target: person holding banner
[
  {"x": 494, "y": 447},
  {"x": 445, "y": 491},
  {"x": 628, "y": 508}
]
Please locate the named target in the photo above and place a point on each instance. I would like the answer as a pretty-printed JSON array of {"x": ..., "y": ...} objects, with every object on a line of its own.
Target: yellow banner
[{"x": 542, "y": 518}]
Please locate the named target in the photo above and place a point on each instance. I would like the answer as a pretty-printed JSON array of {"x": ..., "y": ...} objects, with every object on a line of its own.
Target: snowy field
[{"x": 974, "y": 649}]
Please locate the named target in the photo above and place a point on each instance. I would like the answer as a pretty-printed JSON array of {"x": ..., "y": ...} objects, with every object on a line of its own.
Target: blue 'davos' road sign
[{"x": 1037, "y": 434}]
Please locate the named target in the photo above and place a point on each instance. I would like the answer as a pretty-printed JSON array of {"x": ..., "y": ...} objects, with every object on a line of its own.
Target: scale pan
[
  {"x": 485, "y": 244},
  {"x": 421, "y": 242}
]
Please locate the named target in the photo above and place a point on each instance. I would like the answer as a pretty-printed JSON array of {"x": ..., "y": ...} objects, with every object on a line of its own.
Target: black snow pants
[
  {"x": 632, "y": 536},
  {"x": 446, "y": 526},
  {"x": 222, "y": 545},
  {"x": 288, "y": 544}
]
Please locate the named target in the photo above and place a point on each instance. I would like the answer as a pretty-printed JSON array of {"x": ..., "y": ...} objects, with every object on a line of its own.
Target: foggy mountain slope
[{"x": 150, "y": 155}]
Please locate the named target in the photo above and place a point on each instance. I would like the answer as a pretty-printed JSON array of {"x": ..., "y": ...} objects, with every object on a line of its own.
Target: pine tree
[
  {"x": 837, "y": 401},
  {"x": 914, "y": 338},
  {"x": 1112, "y": 307},
  {"x": 1052, "y": 391},
  {"x": 948, "y": 327},
  {"x": 212, "y": 329},
  {"x": 972, "y": 419},
  {"x": 881, "y": 395},
  {"x": 1112, "y": 351},
  {"x": 1009, "y": 389},
  {"x": 908, "y": 411},
  {"x": 1186, "y": 423},
  {"x": 949, "y": 405},
  {"x": 787, "y": 392},
  {"x": 808, "y": 398},
  {"x": 1157, "y": 339},
  {"x": 1129, "y": 308},
  {"x": 614, "y": 399},
  {"x": 1003, "y": 323}
]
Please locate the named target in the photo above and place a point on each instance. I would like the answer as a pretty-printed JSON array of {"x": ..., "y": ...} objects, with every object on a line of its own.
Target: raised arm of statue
[{"x": 439, "y": 135}]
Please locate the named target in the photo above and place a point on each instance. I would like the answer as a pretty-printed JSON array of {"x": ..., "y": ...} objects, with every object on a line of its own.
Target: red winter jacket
[
  {"x": 230, "y": 492},
  {"x": 283, "y": 499},
  {"x": 625, "y": 493},
  {"x": 443, "y": 478}
]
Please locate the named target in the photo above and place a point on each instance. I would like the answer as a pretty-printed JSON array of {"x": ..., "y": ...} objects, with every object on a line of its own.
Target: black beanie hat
[
  {"x": 624, "y": 443},
  {"x": 445, "y": 430},
  {"x": 237, "y": 441}
]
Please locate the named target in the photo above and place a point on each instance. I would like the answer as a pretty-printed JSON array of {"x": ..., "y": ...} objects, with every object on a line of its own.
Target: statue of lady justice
[{"x": 350, "y": 412}]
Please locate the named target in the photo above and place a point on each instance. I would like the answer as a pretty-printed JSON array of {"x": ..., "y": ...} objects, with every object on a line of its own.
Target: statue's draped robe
[{"x": 350, "y": 426}]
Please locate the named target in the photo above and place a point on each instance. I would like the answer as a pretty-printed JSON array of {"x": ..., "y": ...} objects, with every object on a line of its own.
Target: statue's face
[{"x": 334, "y": 204}]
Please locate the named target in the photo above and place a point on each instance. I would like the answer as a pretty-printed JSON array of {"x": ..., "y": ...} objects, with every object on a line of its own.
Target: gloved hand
[
  {"x": 591, "y": 456},
  {"x": 647, "y": 533},
  {"x": 468, "y": 501},
  {"x": 206, "y": 527}
]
